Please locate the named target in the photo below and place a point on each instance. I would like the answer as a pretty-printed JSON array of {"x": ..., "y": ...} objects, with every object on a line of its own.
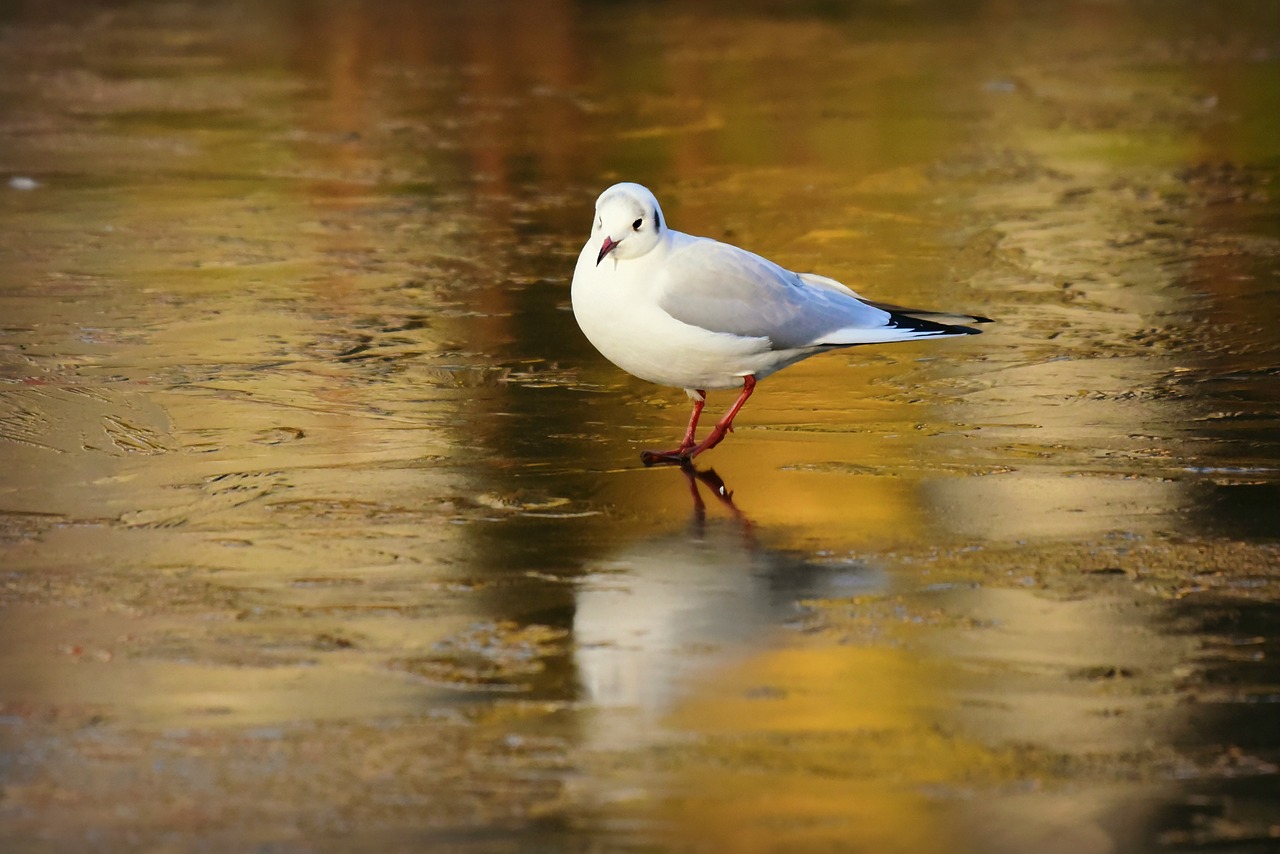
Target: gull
[{"x": 698, "y": 314}]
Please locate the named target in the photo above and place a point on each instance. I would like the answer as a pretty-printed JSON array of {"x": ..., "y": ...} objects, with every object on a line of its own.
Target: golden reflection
[
  {"x": 846, "y": 738},
  {"x": 661, "y": 612},
  {"x": 812, "y": 457},
  {"x": 768, "y": 741}
]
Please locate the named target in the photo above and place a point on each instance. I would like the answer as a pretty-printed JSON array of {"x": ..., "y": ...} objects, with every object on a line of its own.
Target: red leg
[
  {"x": 698, "y": 402},
  {"x": 678, "y": 454},
  {"x": 687, "y": 450},
  {"x": 725, "y": 425}
]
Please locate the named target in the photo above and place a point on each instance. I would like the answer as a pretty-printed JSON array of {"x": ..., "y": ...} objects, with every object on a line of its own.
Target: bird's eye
[{"x": 636, "y": 225}]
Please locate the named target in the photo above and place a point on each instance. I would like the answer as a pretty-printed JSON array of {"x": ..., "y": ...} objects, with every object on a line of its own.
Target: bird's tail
[{"x": 929, "y": 323}]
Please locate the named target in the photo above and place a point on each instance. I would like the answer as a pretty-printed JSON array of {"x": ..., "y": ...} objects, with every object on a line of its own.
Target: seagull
[{"x": 698, "y": 314}]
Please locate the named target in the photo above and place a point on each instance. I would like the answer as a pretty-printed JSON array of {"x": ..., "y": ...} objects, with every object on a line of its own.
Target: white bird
[{"x": 698, "y": 314}]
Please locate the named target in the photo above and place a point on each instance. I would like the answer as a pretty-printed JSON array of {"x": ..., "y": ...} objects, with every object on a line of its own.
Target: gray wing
[{"x": 725, "y": 289}]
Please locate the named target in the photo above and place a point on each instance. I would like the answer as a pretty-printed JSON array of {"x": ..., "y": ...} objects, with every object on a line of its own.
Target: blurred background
[{"x": 322, "y": 527}]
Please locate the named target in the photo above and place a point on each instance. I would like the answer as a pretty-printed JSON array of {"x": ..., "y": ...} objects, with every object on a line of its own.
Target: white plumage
[{"x": 698, "y": 314}]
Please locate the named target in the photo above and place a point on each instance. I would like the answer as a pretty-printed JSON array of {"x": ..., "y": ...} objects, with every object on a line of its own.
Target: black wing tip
[
  {"x": 958, "y": 330},
  {"x": 919, "y": 324},
  {"x": 919, "y": 319}
]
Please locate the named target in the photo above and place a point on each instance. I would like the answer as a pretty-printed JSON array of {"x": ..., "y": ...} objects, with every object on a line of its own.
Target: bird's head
[{"x": 628, "y": 222}]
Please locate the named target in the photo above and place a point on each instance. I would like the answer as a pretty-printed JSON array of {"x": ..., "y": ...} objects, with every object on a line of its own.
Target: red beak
[{"x": 609, "y": 245}]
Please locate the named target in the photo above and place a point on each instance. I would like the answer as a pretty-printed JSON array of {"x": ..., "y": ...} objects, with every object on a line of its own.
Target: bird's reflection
[
  {"x": 714, "y": 483},
  {"x": 653, "y": 617}
]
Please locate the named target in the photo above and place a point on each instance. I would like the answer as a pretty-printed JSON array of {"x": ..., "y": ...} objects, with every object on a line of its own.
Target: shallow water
[{"x": 322, "y": 528}]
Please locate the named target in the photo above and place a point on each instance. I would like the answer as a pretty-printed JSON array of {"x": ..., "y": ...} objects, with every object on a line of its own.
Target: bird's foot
[
  {"x": 683, "y": 455},
  {"x": 677, "y": 457}
]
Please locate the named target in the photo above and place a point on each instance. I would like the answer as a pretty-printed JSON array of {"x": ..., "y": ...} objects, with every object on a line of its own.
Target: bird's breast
[{"x": 619, "y": 312}]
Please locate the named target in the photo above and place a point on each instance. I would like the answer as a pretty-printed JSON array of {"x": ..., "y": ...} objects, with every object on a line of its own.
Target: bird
[{"x": 702, "y": 315}]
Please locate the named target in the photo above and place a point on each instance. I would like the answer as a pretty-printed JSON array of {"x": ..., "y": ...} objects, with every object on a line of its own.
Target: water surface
[{"x": 322, "y": 528}]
